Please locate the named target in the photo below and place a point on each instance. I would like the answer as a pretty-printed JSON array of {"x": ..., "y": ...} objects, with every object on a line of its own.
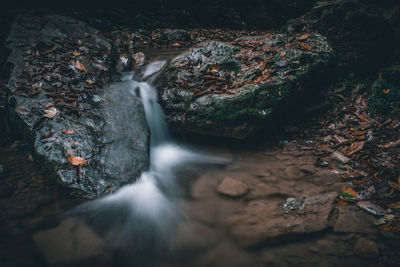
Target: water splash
[{"x": 140, "y": 219}]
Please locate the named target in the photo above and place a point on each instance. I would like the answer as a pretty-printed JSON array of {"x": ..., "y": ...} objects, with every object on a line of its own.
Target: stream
[{"x": 204, "y": 204}]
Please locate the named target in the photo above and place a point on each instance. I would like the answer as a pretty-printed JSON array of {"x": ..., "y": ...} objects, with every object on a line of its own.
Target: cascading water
[{"x": 140, "y": 219}]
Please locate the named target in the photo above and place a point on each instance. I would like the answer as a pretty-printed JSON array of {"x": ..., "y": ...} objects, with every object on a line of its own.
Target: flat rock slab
[
  {"x": 234, "y": 89},
  {"x": 93, "y": 136},
  {"x": 264, "y": 220}
]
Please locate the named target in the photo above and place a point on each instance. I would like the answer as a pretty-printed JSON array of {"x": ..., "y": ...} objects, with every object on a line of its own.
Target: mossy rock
[{"x": 234, "y": 89}]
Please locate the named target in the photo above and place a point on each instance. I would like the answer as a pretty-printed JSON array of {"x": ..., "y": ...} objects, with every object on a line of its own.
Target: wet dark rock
[
  {"x": 235, "y": 89},
  {"x": 361, "y": 37},
  {"x": 60, "y": 102}
]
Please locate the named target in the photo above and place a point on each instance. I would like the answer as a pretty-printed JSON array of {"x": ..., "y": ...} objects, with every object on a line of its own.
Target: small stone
[
  {"x": 340, "y": 157},
  {"x": 366, "y": 248},
  {"x": 233, "y": 188}
]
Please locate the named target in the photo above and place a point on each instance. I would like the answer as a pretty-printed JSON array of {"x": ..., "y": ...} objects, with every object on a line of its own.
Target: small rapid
[{"x": 139, "y": 220}]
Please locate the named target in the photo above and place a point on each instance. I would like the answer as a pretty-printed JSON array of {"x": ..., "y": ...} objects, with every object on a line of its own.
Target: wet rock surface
[
  {"x": 60, "y": 101},
  {"x": 233, "y": 89}
]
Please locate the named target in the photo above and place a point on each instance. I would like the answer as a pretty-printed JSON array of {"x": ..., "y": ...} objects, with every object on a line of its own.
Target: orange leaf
[
  {"x": 302, "y": 37},
  {"x": 214, "y": 69},
  {"x": 305, "y": 46},
  {"x": 76, "y": 53},
  {"x": 341, "y": 202},
  {"x": 350, "y": 190},
  {"x": 77, "y": 161},
  {"x": 283, "y": 53},
  {"x": 68, "y": 131},
  {"x": 80, "y": 66}
]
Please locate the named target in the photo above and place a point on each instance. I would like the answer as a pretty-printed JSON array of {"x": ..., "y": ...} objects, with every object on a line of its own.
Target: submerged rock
[
  {"x": 265, "y": 221},
  {"x": 232, "y": 188},
  {"x": 93, "y": 137},
  {"x": 235, "y": 89}
]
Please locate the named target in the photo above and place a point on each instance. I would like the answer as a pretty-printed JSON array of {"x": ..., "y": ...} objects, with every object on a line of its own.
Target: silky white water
[{"x": 145, "y": 211}]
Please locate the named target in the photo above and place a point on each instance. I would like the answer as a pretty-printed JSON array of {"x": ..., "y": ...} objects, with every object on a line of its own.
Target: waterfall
[{"x": 141, "y": 219}]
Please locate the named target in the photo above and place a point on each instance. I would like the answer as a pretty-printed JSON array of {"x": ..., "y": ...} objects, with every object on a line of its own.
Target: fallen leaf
[
  {"x": 22, "y": 110},
  {"x": 303, "y": 37},
  {"x": 177, "y": 44},
  {"x": 341, "y": 202},
  {"x": 353, "y": 148},
  {"x": 77, "y": 161},
  {"x": 283, "y": 53},
  {"x": 80, "y": 66},
  {"x": 386, "y": 91},
  {"x": 68, "y": 131},
  {"x": 391, "y": 144},
  {"x": 50, "y": 113},
  {"x": 88, "y": 81},
  {"x": 394, "y": 185},
  {"x": 214, "y": 69},
  {"x": 350, "y": 190},
  {"x": 305, "y": 46},
  {"x": 49, "y": 105},
  {"x": 77, "y": 54}
]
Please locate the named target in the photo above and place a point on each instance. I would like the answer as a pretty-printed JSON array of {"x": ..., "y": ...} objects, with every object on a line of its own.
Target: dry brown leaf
[
  {"x": 341, "y": 202},
  {"x": 80, "y": 66},
  {"x": 394, "y": 185},
  {"x": 68, "y": 131},
  {"x": 350, "y": 191},
  {"x": 353, "y": 148},
  {"x": 283, "y": 53},
  {"x": 50, "y": 113},
  {"x": 77, "y": 161},
  {"x": 305, "y": 46},
  {"x": 76, "y": 54},
  {"x": 303, "y": 37},
  {"x": 22, "y": 110},
  {"x": 391, "y": 144}
]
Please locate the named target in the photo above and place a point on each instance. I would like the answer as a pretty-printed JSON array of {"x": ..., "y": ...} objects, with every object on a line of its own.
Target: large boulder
[
  {"x": 92, "y": 136},
  {"x": 234, "y": 89}
]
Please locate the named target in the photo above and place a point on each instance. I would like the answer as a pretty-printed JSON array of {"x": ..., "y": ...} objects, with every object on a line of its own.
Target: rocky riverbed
[{"x": 298, "y": 120}]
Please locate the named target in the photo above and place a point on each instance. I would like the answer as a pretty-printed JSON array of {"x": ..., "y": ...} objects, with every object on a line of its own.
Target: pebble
[{"x": 233, "y": 188}]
